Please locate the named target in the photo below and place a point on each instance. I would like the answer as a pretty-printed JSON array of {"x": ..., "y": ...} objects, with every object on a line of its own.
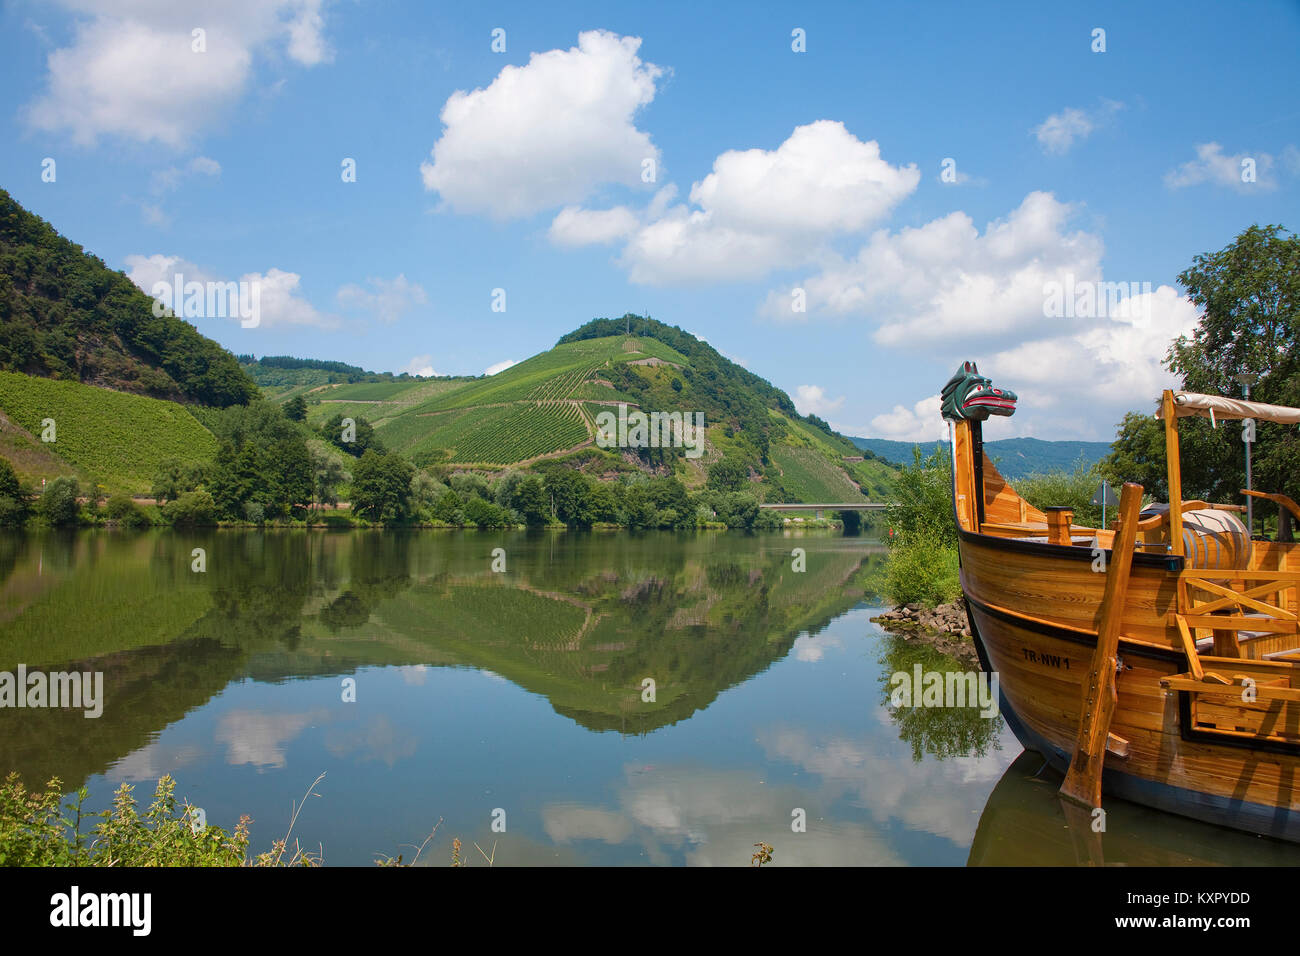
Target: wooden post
[
  {"x": 1174, "y": 466},
  {"x": 1059, "y": 518},
  {"x": 1083, "y": 781}
]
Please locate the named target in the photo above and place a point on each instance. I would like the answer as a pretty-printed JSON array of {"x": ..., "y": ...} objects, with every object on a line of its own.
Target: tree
[
  {"x": 13, "y": 502},
  {"x": 381, "y": 487},
  {"x": 531, "y": 501},
  {"x": 356, "y": 440},
  {"x": 58, "y": 503},
  {"x": 728, "y": 474},
  {"x": 295, "y": 409},
  {"x": 328, "y": 474},
  {"x": 1250, "y": 294}
]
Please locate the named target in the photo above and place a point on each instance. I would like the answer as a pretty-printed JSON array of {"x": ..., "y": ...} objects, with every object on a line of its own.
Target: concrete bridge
[{"x": 819, "y": 508}]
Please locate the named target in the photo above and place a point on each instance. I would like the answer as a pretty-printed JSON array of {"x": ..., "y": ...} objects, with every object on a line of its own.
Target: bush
[
  {"x": 58, "y": 503},
  {"x": 922, "y": 499},
  {"x": 922, "y": 569},
  {"x": 192, "y": 509},
  {"x": 923, "y": 565},
  {"x": 487, "y": 515},
  {"x": 254, "y": 513},
  {"x": 124, "y": 511}
]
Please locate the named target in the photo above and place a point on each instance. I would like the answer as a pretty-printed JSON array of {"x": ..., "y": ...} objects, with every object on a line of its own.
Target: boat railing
[{"x": 1250, "y": 614}]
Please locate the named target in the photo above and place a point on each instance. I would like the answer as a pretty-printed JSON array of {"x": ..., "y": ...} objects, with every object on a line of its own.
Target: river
[{"x": 553, "y": 698}]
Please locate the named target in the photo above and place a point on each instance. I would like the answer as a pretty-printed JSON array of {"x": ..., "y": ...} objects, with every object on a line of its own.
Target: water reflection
[{"x": 523, "y": 691}]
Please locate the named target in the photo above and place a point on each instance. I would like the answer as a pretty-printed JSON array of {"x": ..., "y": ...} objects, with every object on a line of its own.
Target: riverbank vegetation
[
  {"x": 37, "y": 828},
  {"x": 270, "y": 467}
]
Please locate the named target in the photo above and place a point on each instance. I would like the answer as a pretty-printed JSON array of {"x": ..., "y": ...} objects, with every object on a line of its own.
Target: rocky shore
[{"x": 945, "y": 627}]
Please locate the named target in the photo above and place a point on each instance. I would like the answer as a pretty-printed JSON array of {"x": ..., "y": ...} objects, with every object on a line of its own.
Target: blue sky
[{"x": 778, "y": 176}]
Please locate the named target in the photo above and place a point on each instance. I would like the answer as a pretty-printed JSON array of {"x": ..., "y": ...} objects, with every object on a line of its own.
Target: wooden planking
[
  {"x": 1046, "y": 693},
  {"x": 1069, "y": 592}
]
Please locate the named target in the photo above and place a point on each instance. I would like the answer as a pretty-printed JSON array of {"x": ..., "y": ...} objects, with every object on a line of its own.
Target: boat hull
[{"x": 1030, "y": 611}]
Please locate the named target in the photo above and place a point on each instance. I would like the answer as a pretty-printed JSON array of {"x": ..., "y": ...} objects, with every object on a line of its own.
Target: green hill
[
  {"x": 546, "y": 407},
  {"x": 66, "y": 315},
  {"x": 115, "y": 439}
]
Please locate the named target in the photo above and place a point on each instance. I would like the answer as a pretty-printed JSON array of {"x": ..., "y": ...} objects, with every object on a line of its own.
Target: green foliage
[
  {"x": 174, "y": 478},
  {"x": 1250, "y": 294},
  {"x": 36, "y": 831},
  {"x": 193, "y": 509},
  {"x": 328, "y": 474},
  {"x": 728, "y": 475},
  {"x": 922, "y": 504},
  {"x": 58, "y": 502},
  {"x": 1072, "y": 489},
  {"x": 355, "y": 440},
  {"x": 125, "y": 512},
  {"x": 922, "y": 569},
  {"x": 119, "y": 438},
  {"x": 485, "y": 514},
  {"x": 263, "y": 458},
  {"x": 381, "y": 487},
  {"x": 13, "y": 500},
  {"x": 295, "y": 409},
  {"x": 64, "y": 314}
]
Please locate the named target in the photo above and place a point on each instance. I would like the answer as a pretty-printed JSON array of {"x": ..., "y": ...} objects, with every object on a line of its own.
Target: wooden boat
[{"x": 1157, "y": 659}]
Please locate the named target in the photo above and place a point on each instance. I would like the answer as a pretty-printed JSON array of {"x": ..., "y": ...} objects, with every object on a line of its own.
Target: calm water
[{"x": 521, "y": 694}]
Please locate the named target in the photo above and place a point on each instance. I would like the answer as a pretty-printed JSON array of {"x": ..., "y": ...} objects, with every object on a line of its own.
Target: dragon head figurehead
[{"x": 969, "y": 395}]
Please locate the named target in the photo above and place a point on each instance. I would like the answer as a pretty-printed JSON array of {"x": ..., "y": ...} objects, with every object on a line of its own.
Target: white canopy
[{"x": 1193, "y": 403}]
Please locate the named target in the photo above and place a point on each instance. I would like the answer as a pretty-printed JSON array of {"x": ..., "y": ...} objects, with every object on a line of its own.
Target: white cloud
[
  {"x": 279, "y": 299},
  {"x": 918, "y": 423},
  {"x": 1075, "y": 379},
  {"x": 548, "y": 133},
  {"x": 389, "y": 300},
  {"x": 575, "y": 226},
  {"x": 165, "y": 180},
  {"x": 1108, "y": 367},
  {"x": 812, "y": 400},
  {"x": 131, "y": 69},
  {"x": 945, "y": 282},
  {"x": 1212, "y": 166},
  {"x": 1057, "y": 133},
  {"x": 759, "y": 210},
  {"x": 500, "y": 366},
  {"x": 260, "y": 738},
  {"x": 419, "y": 365}
]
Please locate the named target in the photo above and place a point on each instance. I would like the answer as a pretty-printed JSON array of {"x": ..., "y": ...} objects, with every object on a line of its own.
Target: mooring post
[{"x": 1083, "y": 781}]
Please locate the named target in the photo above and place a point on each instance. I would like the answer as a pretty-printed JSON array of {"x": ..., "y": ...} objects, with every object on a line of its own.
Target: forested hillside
[{"x": 64, "y": 314}]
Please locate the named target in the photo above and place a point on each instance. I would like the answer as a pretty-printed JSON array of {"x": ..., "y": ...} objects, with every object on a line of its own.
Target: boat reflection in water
[{"x": 1027, "y": 823}]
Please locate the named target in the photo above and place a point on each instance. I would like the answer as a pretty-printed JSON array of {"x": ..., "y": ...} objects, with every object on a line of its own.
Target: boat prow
[{"x": 1157, "y": 659}]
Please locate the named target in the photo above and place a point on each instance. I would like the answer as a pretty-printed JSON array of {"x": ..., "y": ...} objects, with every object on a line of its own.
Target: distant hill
[
  {"x": 545, "y": 408},
  {"x": 64, "y": 314},
  {"x": 285, "y": 371},
  {"x": 1015, "y": 457}
]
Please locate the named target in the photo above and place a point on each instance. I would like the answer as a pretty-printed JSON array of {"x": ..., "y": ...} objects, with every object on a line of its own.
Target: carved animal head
[{"x": 969, "y": 395}]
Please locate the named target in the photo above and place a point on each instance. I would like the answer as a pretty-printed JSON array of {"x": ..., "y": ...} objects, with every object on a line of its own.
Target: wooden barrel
[{"x": 1215, "y": 540}]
